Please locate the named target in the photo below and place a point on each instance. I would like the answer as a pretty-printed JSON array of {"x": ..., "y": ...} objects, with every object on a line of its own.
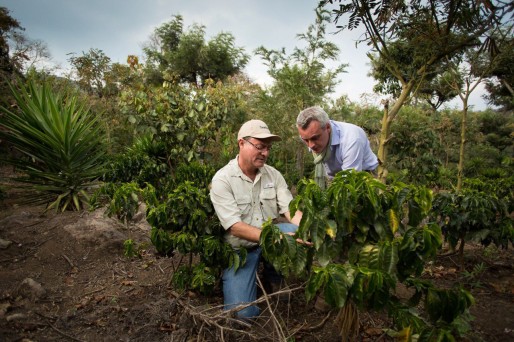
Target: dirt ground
[{"x": 64, "y": 278}]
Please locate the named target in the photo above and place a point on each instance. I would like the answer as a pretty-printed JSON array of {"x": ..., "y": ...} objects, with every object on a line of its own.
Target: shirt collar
[{"x": 237, "y": 172}]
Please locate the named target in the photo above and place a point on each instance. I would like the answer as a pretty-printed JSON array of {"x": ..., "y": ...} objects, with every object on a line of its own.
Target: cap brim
[{"x": 271, "y": 137}]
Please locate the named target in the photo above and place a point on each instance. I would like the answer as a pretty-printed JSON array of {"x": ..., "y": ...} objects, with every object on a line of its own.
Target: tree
[
  {"x": 174, "y": 54},
  {"x": 465, "y": 77},
  {"x": 466, "y": 73},
  {"x": 91, "y": 69},
  {"x": 500, "y": 81},
  {"x": 8, "y": 28},
  {"x": 301, "y": 79},
  {"x": 18, "y": 53},
  {"x": 102, "y": 83},
  {"x": 437, "y": 91},
  {"x": 411, "y": 39}
]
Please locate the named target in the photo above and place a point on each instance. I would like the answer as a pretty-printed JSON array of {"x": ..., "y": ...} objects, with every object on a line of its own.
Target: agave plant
[{"x": 60, "y": 142}]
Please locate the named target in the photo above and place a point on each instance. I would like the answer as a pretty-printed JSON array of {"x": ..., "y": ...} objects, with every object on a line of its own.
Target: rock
[
  {"x": 31, "y": 289},
  {"x": 321, "y": 305},
  {"x": 15, "y": 317},
  {"x": 4, "y": 307},
  {"x": 141, "y": 213},
  {"x": 23, "y": 218},
  {"x": 98, "y": 229},
  {"x": 4, "y": 244}
]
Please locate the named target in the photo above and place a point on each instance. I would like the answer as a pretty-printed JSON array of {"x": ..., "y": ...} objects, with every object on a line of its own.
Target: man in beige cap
[{"x": 245, "y": 193}]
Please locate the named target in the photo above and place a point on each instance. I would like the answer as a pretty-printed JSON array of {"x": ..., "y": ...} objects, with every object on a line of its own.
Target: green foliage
[
  {"x": 132, "y": 249},
  {"x": 185, "y": 222},
  {"x": 499, "y": 86},
  {"x": 184, "y": 215},
  {"x": 186, "y": 120},
  {"x": 502, "y": 187},
  {"x": 143, "y": 162},
  {"x": 92, "y": 68},
  {"x": 178, "y": 209},
  {"x": 9, "y": 61},
  {"x": 273, "y": 243},
  {"x": 416, "y": 147},
  {"x": 201, "y": 278},
  {"x": 473, "y": 278},
  {"x": 124, "y": 202},
  {"x": 204, "y": 278},
  {"x": 61, "y": 142},
  {"x": 366, "y": 237},
  {"x": 472, "y": 215},
  {"x": 301, "y": 79},
  {"x": 184, "y": 55}
]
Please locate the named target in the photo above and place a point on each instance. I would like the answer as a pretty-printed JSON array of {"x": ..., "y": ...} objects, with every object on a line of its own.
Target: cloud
[{"x": 119, "y": 28}]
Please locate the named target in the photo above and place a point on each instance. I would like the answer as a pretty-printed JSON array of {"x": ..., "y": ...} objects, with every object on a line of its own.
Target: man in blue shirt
[{"x": 335, "y": 145}]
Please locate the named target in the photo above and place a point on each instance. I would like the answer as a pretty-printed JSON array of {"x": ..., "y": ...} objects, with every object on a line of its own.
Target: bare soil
[{"x": 84, "y": 289}]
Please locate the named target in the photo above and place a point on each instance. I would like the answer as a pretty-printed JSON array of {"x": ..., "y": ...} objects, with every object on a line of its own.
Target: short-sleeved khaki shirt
[{"x": 237, "y": 198}]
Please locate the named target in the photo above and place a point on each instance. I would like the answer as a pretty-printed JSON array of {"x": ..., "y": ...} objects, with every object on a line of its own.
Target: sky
[{"x": 120, "y": 28}]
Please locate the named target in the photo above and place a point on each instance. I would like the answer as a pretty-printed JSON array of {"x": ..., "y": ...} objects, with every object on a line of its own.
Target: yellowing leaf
[
  {"x": 394, "y": 223},
  {"x": 404, "y": 335},
  {"x": 331, "y": 228}
]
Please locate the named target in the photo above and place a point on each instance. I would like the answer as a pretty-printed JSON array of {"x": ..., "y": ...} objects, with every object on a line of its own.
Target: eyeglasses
[{"x": 260, "y": 148}]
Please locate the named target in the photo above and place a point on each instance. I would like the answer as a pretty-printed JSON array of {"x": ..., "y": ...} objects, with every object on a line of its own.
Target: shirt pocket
[
  {"x": 269, "y": 203},
  {"x": 244, "y": 204}
]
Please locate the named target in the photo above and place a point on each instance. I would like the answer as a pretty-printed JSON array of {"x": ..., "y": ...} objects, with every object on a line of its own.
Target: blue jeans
[{"x": 240, "y": 286}]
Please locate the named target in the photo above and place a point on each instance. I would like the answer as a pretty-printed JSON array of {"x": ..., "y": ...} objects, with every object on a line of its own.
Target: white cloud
[{"x": 120, "y": 27}]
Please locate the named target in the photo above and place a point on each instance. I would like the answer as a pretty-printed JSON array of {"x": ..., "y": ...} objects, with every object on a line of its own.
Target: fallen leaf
[
  {"x": 128, "y": 282},
  {"x": 374, "y": 331}
]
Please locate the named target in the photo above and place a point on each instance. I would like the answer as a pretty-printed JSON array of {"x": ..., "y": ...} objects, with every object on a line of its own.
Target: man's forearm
[
  {"x": 294, "y": 220},
  {"x": 245, "y": 231}
]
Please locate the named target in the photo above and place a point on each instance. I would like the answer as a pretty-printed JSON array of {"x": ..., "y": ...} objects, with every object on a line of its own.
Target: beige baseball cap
[{"x": 256, "y": 129}]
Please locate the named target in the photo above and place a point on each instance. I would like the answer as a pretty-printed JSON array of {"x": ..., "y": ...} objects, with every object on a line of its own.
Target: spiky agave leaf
[{"x": 61, "y": 142}]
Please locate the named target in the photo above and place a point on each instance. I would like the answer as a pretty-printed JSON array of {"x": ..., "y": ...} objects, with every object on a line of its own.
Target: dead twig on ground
[
  {"x": 319, "y": 325},
  {"x": 68, "y": 260},
  {"x": 57, "y": 329},
  {"x": 94, "y": 291},
  {"x": 276, "y": 323},
  {"x": 225, "y": 322}
]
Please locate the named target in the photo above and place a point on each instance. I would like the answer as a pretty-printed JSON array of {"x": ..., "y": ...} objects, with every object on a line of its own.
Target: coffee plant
[
  {"x": 185, "y": 222},
  {"x": 473, "y": 215},
  {"x": 366, "y": 238}
]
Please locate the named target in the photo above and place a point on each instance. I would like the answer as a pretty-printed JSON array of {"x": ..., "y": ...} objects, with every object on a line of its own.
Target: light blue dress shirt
[{"x": 350, "y": 149}]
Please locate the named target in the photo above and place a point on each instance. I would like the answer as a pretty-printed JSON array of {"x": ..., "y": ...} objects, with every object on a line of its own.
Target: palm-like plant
[{"x": 61, "y": 144}]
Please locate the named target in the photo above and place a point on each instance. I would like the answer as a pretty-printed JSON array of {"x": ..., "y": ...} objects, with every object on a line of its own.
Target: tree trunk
[
  {"x": 461, "y": 252},
  {"x": 385, "y": 136},
  {"x": 382, "y": 145},
  {"x": 460, "y": 168},
  {"x": 300, "y": 160}
]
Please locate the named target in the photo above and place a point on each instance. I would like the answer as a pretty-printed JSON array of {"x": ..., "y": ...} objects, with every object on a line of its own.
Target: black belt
[{"x": 252, "y": 249}]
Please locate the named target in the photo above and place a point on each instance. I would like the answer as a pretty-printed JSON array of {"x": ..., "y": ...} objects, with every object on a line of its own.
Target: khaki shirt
[{"x": 237, "y": 198}]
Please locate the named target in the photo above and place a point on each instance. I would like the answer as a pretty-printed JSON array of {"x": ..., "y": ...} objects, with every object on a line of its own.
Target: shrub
[
  {"x": 366, "y": 237},
  {"x": 62, "y": 141}
]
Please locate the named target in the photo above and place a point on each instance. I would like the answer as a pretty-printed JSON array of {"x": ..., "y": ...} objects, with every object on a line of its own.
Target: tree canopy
[{"x": 185, "y": 55}]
